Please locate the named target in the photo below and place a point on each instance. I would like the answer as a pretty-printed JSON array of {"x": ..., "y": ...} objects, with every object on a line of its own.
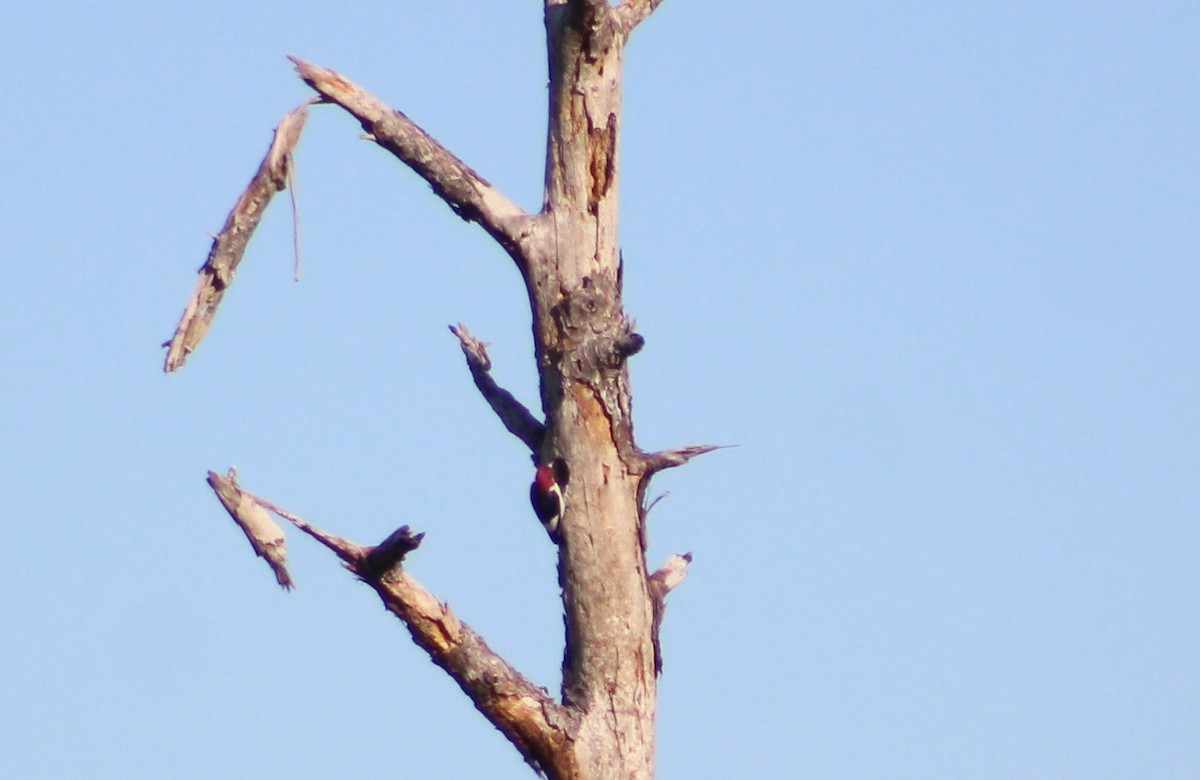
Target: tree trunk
[{"x": 579, "y": 325}]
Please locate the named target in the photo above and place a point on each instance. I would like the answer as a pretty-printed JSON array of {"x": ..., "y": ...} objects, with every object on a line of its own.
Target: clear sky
[{"x": 932, "y": 266}]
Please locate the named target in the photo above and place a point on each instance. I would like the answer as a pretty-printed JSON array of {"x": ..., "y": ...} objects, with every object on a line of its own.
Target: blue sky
[{"x": 933, "y": 269}]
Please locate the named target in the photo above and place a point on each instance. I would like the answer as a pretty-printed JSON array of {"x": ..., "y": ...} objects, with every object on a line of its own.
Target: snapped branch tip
[
  {"x": 671, "y": 573},
  {"x": 678, "y": 456},
  {"x": 248, "y": 512},
  {"x": 390, "y": 553}
]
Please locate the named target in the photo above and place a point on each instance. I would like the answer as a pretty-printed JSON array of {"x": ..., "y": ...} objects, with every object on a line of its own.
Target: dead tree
[{"x": 568, "y": 256}]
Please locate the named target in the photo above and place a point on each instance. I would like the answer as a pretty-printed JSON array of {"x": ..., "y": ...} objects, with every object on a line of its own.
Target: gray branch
[
  {"x": 229, "y": 245},
  {"x": 519, "y": 421},
  {"x": 665, "y": 459},
  {"x": 534, "y": 722},
  {"x": 466, "y": 192}
]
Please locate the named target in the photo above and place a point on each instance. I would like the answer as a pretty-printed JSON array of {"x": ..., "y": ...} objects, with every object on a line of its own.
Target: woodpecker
[{"x": 546, "y": 496}]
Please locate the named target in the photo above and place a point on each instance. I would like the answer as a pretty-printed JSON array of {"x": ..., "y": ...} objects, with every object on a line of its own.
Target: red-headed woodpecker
[{"x": 546, "y": 496}]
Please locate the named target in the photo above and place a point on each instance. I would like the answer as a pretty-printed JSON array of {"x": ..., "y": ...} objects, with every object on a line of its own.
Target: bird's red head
[{"x": 544, "y": 478}]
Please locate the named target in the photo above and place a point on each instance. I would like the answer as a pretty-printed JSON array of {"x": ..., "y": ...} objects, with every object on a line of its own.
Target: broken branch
[
  {"x": 265, "y": 535},
  {"x": 534, "y": 722},
  {"x": 467, "y": 193},
  {"x": 670, "y": 574},
  {"x": 228, "y": 247},
  {"x": 391, "y": 552},
  {"x": 660, "y": 583},
  {"x": 519, "y": 421},
  {"x": 665, "y": 459},
  {"x": 537, "y": 725}
]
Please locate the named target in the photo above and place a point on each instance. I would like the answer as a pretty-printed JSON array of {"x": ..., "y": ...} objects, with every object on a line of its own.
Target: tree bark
[
  {"x": 575, "y": 293},
  {"x": 569, "y": 258}
]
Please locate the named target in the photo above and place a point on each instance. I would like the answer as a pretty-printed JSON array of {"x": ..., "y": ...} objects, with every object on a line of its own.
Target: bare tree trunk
[
  {"x": 569, "y": 258},
  {"x": 582, "y": 337}
]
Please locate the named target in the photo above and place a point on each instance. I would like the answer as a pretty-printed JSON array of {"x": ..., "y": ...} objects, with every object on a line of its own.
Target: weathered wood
[
  {"x": 539, "y": 727},
  {"x": 229, "y": 245},
  {"x": 264, "y": 534},
  {"x": 467, "y": 193},
  {"x": 575, "y": 289},
  {"x": 519, "y": 421}
]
